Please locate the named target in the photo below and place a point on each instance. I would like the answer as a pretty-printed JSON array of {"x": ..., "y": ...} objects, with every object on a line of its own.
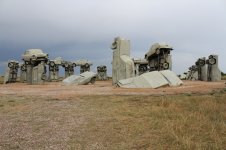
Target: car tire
[
  {"x": 23, "y": 68},
  {"x": 51, "y": 63},
  {"x": 212, "y": 61},
  {"x": 86, "y": 65},
  {"x": 10, "y": 64},
  {"x": 166, "y": 65},
  {"x": 93, "y": 80},
  {"x": 43, "y": 76},
  {"x": 202, "y": 62},
  {"x": 158, "y": 51}
]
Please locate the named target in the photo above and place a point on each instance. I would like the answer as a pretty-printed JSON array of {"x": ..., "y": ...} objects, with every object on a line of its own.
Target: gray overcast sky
[{"x": 75, "y": 29}]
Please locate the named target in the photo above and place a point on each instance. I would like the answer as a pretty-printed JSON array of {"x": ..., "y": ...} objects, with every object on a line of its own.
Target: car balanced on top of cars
[{"x": 31, "y": 56}]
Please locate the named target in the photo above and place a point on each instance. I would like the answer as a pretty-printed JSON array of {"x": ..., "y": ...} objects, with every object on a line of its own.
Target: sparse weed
[
  {"x": 188, "y": 94},
  {"x": 186, "y": 121},
  {"x": 11, "y": 101}
]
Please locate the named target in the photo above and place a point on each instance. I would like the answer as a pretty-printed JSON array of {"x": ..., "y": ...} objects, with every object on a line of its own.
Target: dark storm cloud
[{"x": 76, "y": 29}]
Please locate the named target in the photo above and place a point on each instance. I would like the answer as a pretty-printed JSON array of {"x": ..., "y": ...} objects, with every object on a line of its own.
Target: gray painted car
[
  {"x": 82, "y": 79},
  {"x": 159, "y": 57},
  {"x": 34, "y": 55}
]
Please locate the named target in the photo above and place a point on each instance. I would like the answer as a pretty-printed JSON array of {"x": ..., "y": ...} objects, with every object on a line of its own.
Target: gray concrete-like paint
[
  {"x": 183, "y": 76},
  {"x": 82, "y": 79},
  {"x": 11, "y": 72},
  {"x": 35, "y": 61},
  {"x": 199, "y": 71},
  {"x": 23, "y": 73},
  {"x": 159, "y": 57},
  {"x": 193, "y": 73},
  {"x": 69, "y": 68},
  {"x": 122, "y": 64},
  {"x": 29, "y": 74},
  {"x": 84, "y": 68},
  {"x": 39, "y": 74},
  {"x": 213, "y": 71},
  {"x": 102, "y": 72},
  {"x": 188, "y": 74},
  {"x": 154, "y": 79},
  {"x": 54, "y": 68},
  {"x": 141, "y": 66},
  {"x": 171, "y": 77},
  {"x": 84, "y": 65},
  {"x": 202, "y": 70},
  {"x": 53, "y": 73}
]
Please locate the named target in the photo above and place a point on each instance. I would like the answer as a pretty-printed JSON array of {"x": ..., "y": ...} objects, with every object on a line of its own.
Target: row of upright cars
[{"x": 33, "y": 69}]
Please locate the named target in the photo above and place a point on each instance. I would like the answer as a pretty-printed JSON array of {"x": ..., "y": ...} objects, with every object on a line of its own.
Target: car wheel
[
  {"x": 52, "y": 64},
  {"x": 66, "y": 65},
  {"x": 158, "y": 51},
  {"x": 86, "y": 65},
  {"x": 93, "y": 80},
  {"x": 202, "y": 62},
  {"x": 212, "y": 61},
  {"x": 43, "y": 76},
  {"x": 166, "y": 65},
  {"x": 23, "y": 68},
  {"x": 10, "y": 64}
]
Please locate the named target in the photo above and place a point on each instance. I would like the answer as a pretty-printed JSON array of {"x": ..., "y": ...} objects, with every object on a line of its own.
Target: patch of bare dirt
[{"x": 59, "y": 91}]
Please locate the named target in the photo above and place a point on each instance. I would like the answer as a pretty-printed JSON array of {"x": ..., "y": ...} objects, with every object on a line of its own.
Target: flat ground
[
  {"x": 57, "y": 90},
  {"x": 100, "y": 116}
]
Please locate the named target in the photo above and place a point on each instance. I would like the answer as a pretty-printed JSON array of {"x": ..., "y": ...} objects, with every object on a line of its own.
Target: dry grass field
[{"x": 117, "y": 120}]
